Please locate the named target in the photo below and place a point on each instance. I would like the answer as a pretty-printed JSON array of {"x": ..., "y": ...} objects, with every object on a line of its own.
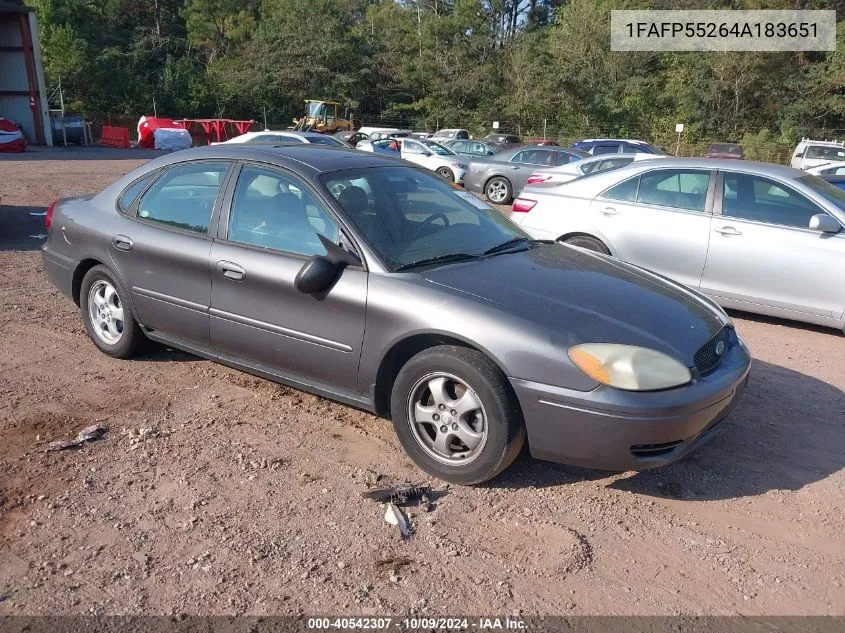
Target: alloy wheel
[
  {"x": 105, "y": 311},
  {"x": 447, "y": 419}
]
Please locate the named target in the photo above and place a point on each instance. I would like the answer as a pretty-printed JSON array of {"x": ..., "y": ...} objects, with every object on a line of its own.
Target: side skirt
[{"x": 351, "y": 398}]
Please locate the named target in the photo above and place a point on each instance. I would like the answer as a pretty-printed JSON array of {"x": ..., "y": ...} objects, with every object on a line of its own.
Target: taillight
[
  {"x": 535, "y": 178},
  {"x": 523, "y": 205},
  {"x": 48, "y": 219}
]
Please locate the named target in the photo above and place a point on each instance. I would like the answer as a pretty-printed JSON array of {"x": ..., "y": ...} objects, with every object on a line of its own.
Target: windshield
[
  {"x": 832, "y": 194},
  {"x": 316, "y": 109},
  {"x": 439, "y": 149},
  {"x": 408, "y": 215},
  {"x": 326, "y": 140},
  {"x": 824, "y": 151},
  {"x": 725, "y": 148}
]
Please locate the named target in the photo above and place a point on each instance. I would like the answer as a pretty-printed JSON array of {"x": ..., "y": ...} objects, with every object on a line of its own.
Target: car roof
[
  {"x": 613, "y": 140},
  {"x": 300, "y": 157}
]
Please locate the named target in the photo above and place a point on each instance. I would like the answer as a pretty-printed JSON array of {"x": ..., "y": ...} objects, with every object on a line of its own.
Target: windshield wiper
[
  {"x": 506, "y": 245},
  {"x": 439, "y": 259}
]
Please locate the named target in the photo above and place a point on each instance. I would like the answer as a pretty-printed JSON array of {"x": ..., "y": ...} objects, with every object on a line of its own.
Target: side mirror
[
  {"x": 316, "y": 275},
  {"x": 824, "y": 223}
]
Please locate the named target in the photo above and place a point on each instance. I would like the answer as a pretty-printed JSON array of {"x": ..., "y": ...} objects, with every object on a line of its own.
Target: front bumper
[{"x": 610, "y": 429}]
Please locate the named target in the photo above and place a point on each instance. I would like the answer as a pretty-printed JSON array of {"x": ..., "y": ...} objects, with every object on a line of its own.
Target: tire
[
  {"x": 588, "y": 243},
  {"x": 446, "y": 173},
  {"x": 498, "y": 190},
  {"x": 107, "y": 317},
  {"x": 494, "y": 429}
]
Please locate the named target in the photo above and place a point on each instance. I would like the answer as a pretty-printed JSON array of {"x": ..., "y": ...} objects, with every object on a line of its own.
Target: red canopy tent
[{"x": 217, "y": 128}]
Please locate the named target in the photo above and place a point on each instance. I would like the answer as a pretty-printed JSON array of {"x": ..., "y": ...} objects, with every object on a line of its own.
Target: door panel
[
  {"x": 664, "y": 238},
  {"x": 256, "y": 312},
  {"x": 162, "y": 254},
  {"x": 760, "y": 251}
]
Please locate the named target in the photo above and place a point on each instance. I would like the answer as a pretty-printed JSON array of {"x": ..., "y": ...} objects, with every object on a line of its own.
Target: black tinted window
[
  {"x": 184, "y": 196},
  {"x": 763, "y": 200},
  {"x": 131, "y": 193},
  {"x": 678, "y": 188},
  {"x": 272, "y": 210},
  {"x": 562, "y": 158},
  {"x": 605, "y": 149},
  {"x": 534, "y": 157}
]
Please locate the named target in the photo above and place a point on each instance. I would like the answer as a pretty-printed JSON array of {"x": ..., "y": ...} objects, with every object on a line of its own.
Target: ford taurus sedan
[
  {"x": 376, "y": 283},
  {"x": 753, "y": 236}
]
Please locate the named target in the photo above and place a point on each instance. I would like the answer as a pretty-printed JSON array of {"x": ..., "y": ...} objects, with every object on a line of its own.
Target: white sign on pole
[
  {"x": 495, "y": 125},
  {"x": 679, "y": 127}
]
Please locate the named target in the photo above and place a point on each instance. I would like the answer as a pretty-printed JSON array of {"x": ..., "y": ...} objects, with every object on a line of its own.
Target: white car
[
  {"x": 426, "y": 153},
  {"x": 450, "y": 134},
  {"x": 828, "y": 169},
  {"x": 593, "y": 165},
  {"x": 273, "y": 136},
  {"x": 811, "y": 153}
]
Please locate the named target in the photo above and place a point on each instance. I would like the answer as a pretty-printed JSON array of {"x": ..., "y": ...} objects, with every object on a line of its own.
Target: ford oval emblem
[{"x": 720, "y": 347}]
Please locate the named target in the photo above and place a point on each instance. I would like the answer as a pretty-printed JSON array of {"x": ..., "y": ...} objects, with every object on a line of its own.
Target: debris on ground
[
  {"x": 394, "y": 516},
  {"x": 88, "y": 434},
  {"x": 401, "y": 494}
]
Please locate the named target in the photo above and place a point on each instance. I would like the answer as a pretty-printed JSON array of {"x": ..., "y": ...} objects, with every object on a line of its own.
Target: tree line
[{"x": 430, "y": 63}]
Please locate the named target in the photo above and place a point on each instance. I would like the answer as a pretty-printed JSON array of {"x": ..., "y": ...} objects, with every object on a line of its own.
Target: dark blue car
[{"x": 596, "y": 146}]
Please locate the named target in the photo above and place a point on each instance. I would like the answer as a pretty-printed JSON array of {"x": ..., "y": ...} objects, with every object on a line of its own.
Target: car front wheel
[
  {"x": 456, "y": 415},
  {"x": 446, "y": 173},
  {"x": 108, "y": 319},
  {"x": 498, "y": 191}
]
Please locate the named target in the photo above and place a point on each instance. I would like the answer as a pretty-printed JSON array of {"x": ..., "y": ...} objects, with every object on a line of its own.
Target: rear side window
[
  {"x": 562, "y": 158},
  {"x": 605, "y": 149},
  {"x": 678, "y": 188},
  {"x": 534, "y": 157},
  {"x": 184, "y": 196},
  {"x": 625, "y": 191},
  {"x": 131, "y": 193}
]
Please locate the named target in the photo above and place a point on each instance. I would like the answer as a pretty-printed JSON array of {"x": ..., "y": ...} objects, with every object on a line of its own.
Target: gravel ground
[{"x": 215, "y": 492}]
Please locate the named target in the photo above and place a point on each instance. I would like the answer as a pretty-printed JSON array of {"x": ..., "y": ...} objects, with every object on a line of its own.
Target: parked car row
[{"x": 753, "y": 236}]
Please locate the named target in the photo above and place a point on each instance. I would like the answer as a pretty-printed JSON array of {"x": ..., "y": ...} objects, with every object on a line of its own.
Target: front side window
[
  {"x": 437, "y": 148},
  {"x": 763, "y": 200},
  {"x": 412, "y": 147},
  {"x": 183, "y": 196},
  {"x": 268, "y": 138},
  {"x": 677, "y": 188},
  {"x": 459, "y": 146},
  {"x": 408, "y": 215},
  {"x": 275, "y": 211}
]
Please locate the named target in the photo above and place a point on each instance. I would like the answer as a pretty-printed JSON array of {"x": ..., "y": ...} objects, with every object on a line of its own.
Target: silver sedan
[{"x": 753, "y": 236}]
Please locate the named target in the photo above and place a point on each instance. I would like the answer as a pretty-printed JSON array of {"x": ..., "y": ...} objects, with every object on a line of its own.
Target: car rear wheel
[
  {"x": 498, "y": 190},
  {"x": 108, "y": 319},
  {"x": 587, "y": 242},
  {"x": 456, "y": 415},
  {"x": 446, "y": 173}
]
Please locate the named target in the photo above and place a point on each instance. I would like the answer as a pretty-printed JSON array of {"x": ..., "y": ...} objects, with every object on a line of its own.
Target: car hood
[{"x": 581, "y": 297}]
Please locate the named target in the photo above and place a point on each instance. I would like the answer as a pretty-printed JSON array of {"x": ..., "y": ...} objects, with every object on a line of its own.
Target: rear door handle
[
  {"x": 122, "y": 243},
  {"x": 609, "y": 211},
  {"x": 230, "y": 270},
  {"x": 728, "y": 230}
]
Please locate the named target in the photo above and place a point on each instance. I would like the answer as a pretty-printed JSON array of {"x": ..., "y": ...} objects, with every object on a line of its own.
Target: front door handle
[
  {"x": 231, "y": 270},
  {"x": 728, "y": 230},
  {"x": 609, "y": 211},
  {"x": 122, "y": 243}
]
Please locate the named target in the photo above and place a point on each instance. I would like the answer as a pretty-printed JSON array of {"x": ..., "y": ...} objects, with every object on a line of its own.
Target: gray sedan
[
  {"x": 753, "y": 236},
  {"x": 375, "y": 283},
  {"x": 502, "y": 176}
]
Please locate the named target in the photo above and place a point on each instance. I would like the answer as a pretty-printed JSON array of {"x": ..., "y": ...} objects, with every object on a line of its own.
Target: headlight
[{"x": 629, "y": 367}]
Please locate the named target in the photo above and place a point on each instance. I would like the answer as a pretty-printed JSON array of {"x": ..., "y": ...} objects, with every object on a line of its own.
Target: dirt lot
[{"x": 216, "y": 492}]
